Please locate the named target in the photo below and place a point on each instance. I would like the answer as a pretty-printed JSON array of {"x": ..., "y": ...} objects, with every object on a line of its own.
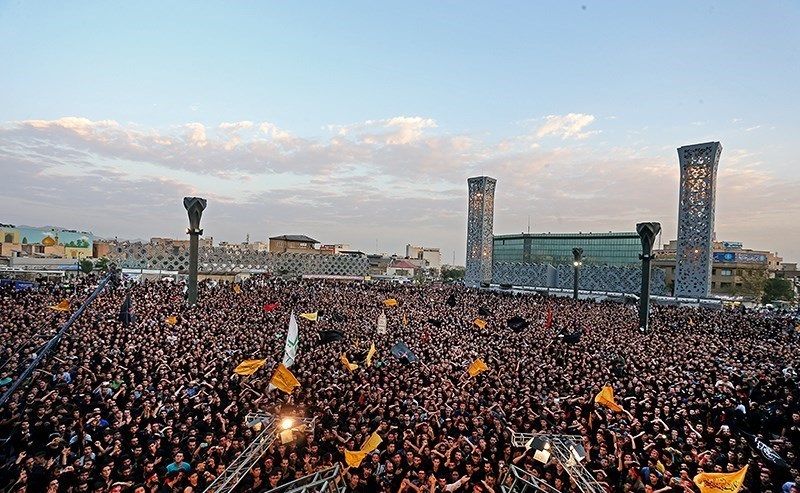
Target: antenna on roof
[{"x": 529, "y": 224}]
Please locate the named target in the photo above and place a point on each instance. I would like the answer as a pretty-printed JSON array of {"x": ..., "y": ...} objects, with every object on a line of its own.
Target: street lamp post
[
  {"x": 577, "y": 254},
  {"x": 647, "y": 234},
  {"x": 194, "y": 207}
]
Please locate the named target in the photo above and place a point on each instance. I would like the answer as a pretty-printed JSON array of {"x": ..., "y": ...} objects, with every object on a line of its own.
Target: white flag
[
  {"x": 292, "y": 340},
  {"x": 382, "y": 323}
]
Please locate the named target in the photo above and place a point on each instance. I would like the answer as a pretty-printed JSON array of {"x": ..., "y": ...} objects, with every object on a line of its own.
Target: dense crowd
[{"x": 156, "y": 407}]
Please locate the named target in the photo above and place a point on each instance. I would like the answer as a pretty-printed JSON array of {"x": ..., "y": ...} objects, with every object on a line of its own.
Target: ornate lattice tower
[
  {"x": 696, "y": 218},
  {"x": 480, "y": 219}
]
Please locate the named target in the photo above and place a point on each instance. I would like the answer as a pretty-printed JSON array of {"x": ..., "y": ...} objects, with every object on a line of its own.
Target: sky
[{"x": 360, "y": 122}]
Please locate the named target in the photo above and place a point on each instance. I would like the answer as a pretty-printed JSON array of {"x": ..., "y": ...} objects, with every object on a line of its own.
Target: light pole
[
  {"x": 577, "y": 254},
  {"x": 647, "y": 233},
  {"x": 194, "y": 207}
]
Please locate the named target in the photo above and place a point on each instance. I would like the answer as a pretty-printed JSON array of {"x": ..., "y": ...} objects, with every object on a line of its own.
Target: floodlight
[{"x": 287, "y": 424}]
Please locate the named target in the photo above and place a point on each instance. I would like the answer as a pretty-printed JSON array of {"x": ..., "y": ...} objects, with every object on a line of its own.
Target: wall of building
[
  {"x": 286, "y": 246},
  {"x": 598, "y": 248},
  {"x": 224, "y": 260},
  {"x": 614, "y": 278}
]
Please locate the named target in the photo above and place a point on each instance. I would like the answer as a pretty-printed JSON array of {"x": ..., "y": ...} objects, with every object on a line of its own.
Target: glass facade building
[{"x": 556, "y": 248}]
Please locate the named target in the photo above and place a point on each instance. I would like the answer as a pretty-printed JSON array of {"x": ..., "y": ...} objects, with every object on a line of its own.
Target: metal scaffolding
[
  {"x": 236, "y": 471},
  {"x": 562, "y": 448},
  {"x": 328, "y": 480}
]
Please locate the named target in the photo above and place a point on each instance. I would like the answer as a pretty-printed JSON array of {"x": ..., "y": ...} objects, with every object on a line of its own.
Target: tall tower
[
  {"x": 480, "y": 220},
  {"x": 696, "y": 218}
]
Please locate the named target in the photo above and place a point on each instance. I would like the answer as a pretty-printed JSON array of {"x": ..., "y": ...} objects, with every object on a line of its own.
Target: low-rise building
[
  {"x": 432, "y": 256},
  {"x": 731, "y": 265},
  {"x": 292, "y": 244},
  {"x": 401, "y": 268},
  {"x": 335, "y": 249}
]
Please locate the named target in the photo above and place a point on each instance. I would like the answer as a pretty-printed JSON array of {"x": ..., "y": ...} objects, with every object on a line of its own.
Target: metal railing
[
  {"x": 561, "y": 448},
  {"x": 236, "y": 471},
  {"x": 53, "y": 342},
  {"x": 327, "y": 481}
]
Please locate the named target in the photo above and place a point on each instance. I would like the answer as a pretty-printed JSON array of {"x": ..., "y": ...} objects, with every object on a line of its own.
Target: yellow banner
[
  {"x": 606, "y": 398},
  {"x": 370, "y": 354},
  {"x": 390, "y": 302},
  {"x": 718, "y": 482},
  {"x": 312, "y": 316},
  {"x": 480, "y": 323},
  {"x": 249, "y": 366},
  {"x": 284, "y": 380},
  {"x": 349, "y": 366},
  {"x": 237, "y": 289},
  {"x": 171, "y": 320},
  {"x": 353, "y": 458},
  {"x": 62, "y": 306},
  {"x": 477, "y": 367}
]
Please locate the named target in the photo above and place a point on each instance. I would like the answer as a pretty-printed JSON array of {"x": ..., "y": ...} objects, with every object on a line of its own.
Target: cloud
[
  {"x": 569, "y": 126},
  {"x": 398, "y": 179}
]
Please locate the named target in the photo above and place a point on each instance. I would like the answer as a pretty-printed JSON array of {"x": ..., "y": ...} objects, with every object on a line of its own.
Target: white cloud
[
  {"x": 569, "y": 126},
  {"x": 353, "y": 179}
]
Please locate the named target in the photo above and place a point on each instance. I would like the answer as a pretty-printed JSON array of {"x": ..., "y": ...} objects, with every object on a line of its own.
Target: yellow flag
[
  {"x": 249, "y": 366},
  {"x": 237, "y": 289},
  {"x": 606, "y": 398},
  {"x": 480, "y": 323},
  {"x": 172, "y": 320},
  {"x": 718, "y": 482},
  {"x": 405, "y": 320},
  {"x": 370, "y": 354},
  {"x": 312, "y": 316},
  {"x": 349, "y": 366},
  {"x": 390, "y": 302},
  {"x": 284, "y": 380},
  {"x": 477, "y": 367},
  {"x": 353, "y": 458},
  {"x": 62, "y": 306},
  {"x": 372, "y": 443}
]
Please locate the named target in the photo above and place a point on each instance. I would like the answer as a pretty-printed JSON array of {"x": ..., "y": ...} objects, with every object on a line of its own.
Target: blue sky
[{"x": 367, "y": 117}]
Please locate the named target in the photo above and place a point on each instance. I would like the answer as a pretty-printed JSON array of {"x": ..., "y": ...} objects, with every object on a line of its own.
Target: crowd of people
[{"x": 155, "y": 406}]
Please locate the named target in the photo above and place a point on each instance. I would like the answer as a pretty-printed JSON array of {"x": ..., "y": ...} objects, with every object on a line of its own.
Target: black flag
[
  {"x": 572, "y": 338},
  {"x": 484, "y": 312},
  {"x": 403, "y": 353},
  {"x": 772, "y": 457},
  {"x": 326, "y": 336},
  {"x": 517, "y": 324},
  {"x": 451, "y": 300},
  {"x": 125, "y": 315},
  {"x": 435, "y": 322}
]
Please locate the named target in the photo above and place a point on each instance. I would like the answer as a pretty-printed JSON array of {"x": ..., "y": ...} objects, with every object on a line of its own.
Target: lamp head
[
  {"x": 194, "y": 207},
  {"x": 287, "y": 423}
]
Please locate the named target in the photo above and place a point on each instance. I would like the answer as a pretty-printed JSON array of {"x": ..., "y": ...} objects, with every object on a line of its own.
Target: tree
[
  {"x": 777, "y": 289},
  {"x": 101, "y": 264},
  {"x": 451, "y": 273},
  {"x": 753, "y": 282},
  {"x": 86, "y": 266}
]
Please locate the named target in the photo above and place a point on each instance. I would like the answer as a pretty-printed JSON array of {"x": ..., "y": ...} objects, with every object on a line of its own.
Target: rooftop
[
  {"x": 580, "y": 234},
  {"x": 302, "y": 238}
]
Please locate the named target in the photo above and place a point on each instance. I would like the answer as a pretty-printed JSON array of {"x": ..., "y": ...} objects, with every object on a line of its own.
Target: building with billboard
[
  {"x": 731, "y": 265},
  {"x": 619, "y": 249},
  {"x": 45, "y": 242}
]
